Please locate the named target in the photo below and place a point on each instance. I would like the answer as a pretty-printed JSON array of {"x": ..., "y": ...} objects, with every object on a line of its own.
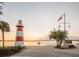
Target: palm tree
[
  {"x": 59, "y": 36},
  {"x": 4, "y": 27}
]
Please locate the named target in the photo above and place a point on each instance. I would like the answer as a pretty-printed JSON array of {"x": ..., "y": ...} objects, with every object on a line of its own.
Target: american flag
[{"x": 60, "y": 18}]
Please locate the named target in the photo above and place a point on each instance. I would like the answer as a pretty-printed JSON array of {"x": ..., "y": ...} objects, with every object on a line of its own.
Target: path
[{"x": 47, "y": 51}]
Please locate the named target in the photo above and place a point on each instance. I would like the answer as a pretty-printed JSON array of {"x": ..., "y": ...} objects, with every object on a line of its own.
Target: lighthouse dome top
[{"x": 19, "y": 23}]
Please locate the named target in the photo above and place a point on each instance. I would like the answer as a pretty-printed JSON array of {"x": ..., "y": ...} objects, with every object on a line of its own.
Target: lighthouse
[{"x": 19, "y": 34}]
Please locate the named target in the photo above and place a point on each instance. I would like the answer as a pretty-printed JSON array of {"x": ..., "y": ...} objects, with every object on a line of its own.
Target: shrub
[
  {"x": 71, "y": 46},
  {"x": 7, "y": 51}
]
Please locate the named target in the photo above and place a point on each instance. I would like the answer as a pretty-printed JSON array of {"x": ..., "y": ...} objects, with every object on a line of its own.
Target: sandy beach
[{"x": 47, "y": 51}]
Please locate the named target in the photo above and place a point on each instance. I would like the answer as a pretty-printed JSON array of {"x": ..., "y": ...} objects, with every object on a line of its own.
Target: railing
[{"x": 34, "y": 42}]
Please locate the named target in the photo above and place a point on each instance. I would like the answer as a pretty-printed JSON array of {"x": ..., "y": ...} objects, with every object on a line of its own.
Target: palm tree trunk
[
  {"x": 3, "y": 37},
  {"x": 60, "y": 43},
  {"x": 57, "y": 43}
]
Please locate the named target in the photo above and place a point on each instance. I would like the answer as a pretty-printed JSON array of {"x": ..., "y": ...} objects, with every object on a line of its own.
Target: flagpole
[
  {"x": 64, "y": 23},
  {"x": 64, "y": 28}
]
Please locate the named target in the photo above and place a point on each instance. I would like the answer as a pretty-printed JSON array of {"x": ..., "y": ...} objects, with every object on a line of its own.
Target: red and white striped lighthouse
[{"x": 19, "y": 34}]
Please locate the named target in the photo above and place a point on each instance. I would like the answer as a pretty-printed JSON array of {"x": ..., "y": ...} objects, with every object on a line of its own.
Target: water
[
  {"x": 30, "y": 43},
  {"x": 35, "y": 42}
]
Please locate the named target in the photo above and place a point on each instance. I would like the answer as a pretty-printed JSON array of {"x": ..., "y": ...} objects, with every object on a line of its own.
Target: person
[{"x": 38, "y": 43}]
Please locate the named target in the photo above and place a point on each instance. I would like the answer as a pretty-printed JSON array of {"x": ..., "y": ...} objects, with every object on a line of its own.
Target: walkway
[{"x": 47, "y": 51}]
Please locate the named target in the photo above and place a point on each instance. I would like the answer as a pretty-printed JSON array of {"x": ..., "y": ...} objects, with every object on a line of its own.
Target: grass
[{"x": 8, "y": 51}]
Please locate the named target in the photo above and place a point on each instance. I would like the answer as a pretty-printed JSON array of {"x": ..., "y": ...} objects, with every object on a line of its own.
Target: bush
[
  {"x": 7, "y": 51},
  {"x": 71, "y": 46}
]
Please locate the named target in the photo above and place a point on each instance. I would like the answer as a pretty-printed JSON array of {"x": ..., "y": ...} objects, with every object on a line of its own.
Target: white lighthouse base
[{"x": 19, "y": 43}]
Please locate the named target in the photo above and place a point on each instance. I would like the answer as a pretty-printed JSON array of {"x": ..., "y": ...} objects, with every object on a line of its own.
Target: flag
[
  {"x": 59, "y": 26},
  {"x": 60, "y": 18},
  {"x": 69, "y": 26}
]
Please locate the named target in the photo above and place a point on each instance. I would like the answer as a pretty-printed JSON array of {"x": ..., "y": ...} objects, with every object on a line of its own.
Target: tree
[
  {"x": 4, "y": 27},
  {"x": 59, "y": 36}
]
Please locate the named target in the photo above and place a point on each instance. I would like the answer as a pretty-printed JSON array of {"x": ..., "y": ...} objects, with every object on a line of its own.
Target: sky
[{"x": 39, "y": 18}]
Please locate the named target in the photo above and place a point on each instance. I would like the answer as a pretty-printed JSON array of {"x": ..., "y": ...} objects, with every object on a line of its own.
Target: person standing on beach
[{"x": 38, "y": 43}]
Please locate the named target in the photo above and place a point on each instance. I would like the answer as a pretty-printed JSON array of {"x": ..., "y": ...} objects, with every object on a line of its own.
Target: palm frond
[
  {"x": 1, "y": 2},
  {"x": 4, "y": 26},
  {"x": 1, "y": 13},
  {"x": 0, "y": 7}
]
